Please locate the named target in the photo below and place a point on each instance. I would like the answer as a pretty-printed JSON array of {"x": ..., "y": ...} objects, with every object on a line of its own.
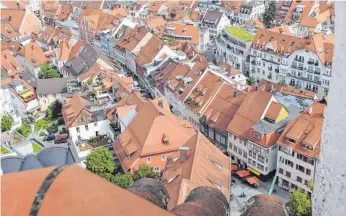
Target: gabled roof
[
  {"x": 221, "y": 110},
  {"x": 249, "y": 113},
  {"x": 130, "y": 40},
  {"x": 34, "y": 54},
  {"x": 63, "y": 51},
  {"x": 52, "y": 86},
  {"x": 205, "y": 165},
  {"x": 147, "y": 54},
  {"x": 9, "y": 64},
  {"x": 157, "y": 24},
  {"x": 73, "y": 109},
  {"x": 305, "y": 129},
  {"x": 144, "y": 135}
]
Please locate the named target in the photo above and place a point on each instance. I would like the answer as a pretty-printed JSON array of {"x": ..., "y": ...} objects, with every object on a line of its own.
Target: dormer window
[
  {"x": 290, "y": 140},
  {"x": 309, "y": 147},
  {"x": 171, "y": 179},
  {"x": 283, "y": 41},
  {"x": 257, "y": 136},
  {"x": 217, "y": 165}
]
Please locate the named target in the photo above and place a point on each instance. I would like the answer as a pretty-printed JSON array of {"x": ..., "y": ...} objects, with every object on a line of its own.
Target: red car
[{"x": 61, "y": 138}]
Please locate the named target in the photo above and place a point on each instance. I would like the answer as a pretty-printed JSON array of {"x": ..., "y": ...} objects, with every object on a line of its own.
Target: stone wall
[{"x": 329, "y": 196}]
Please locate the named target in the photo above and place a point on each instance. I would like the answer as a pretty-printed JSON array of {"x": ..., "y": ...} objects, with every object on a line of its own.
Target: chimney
[
  {"x": 235, "y": 93},
  {"x": 184, "y": 153},
  {"x": 310, "y": 110},
  {"x": 160, "y": 103}
]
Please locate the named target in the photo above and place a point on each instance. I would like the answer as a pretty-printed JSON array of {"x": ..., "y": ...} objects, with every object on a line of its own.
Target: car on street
[
  {"x": 49, "y": 137},
  {"x": 61, "y": 138}
]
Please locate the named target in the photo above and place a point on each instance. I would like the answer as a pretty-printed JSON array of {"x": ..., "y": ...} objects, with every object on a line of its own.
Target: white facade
[
  {"x": 233, "y": 51},
  {"x": 295, "y": 170},
  {"x": 302, "y": 69},
  {"x": 251, "y": 11},
  {"x": 88, "y": 131},
  {"x": 8, "y": 107}
]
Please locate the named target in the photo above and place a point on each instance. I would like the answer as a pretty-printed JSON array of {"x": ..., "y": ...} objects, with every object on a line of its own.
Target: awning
[
  {"x": 254, "y": 171},
  {"x": 26, "y": 94},
  {"x": 252, "y": 180},
  {"x": 234, "y": 167},
  {"x": 243, "y": 173}
]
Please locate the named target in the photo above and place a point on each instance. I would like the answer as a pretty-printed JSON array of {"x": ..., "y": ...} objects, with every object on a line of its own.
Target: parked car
[
  {"x": 49, "y": 137},
  {"x": 61, "y": 138}
]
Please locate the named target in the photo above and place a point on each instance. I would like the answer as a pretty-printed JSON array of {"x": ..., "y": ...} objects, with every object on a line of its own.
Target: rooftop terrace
[{"x": 240, "y": 34}]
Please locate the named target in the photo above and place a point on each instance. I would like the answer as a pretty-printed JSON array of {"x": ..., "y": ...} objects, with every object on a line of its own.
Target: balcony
[
  {"x": 253, "y": 62},
  {"x": 94, "y": 142},
  {"x": 299, "y": 59},
  {"x": 270, "y": 77},
  {"x": 311, "y": 62},
  {"x": 277, "y": 70},
  {"x": 317, "y": 72},
  {"x": 270, "y": 68}
]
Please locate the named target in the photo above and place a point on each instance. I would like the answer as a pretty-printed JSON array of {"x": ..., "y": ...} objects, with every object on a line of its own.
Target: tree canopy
[
  {"x": 299, "y": 203},
  {"x": 6, "y": 123},
  {"x": 56, "y": 108},
  {"x": 144, "y": 171},
  {"x": 100, "y": 162},
  {"x": 269, "y": 14},
  {"x": 251, "y": 81},
  {"x": 49, "y": 113},
  {"x": 122, "y": 180},
  {"x": 48, "y": 71}
]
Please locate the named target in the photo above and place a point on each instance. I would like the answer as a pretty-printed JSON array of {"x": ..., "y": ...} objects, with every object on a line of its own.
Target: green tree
[
  {"x": 47, "y": 72},
  {"x": 122, "y": 180},
  {"x": 269, "y": 14},
  {"x": 144, "y": 171},
  {"x": 251, "y": 81},
  {"x": 56, "y": 108},
  {"x": 100, "y": 161},
  {"x": 299, "y": 203},
  {"x": 6, "y": 123},
  {"x": 24, "y": 130},
  {"x": 49, "y": 113}
]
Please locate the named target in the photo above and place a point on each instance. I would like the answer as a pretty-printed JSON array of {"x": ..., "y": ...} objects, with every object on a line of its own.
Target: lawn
[
  {"x": 240, "y": 34},
  {"x": 36, "y": 147},
  {"x": 4, "y": 150},
  {"x": 43, "y": 123}
]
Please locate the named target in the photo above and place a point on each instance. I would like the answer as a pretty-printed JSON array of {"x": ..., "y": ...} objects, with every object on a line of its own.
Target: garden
[
  {"x": 36, "y": 148},
  {"x": 4, "y": 150}
]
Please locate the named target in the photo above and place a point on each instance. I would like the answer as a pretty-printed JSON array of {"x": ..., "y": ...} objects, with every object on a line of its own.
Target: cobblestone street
[{"x": 238, "y": 203}]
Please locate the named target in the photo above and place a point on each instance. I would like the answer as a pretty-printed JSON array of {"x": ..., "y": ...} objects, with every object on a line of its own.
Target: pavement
[{"x": 238, "y": 203}]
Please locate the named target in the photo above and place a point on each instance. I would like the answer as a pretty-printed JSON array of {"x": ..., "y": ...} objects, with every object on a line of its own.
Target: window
[
  {"x": 149, "y": 160},
  {"x": 254, "y": 163},
  {"x": 257, "y": 136},
  {"x": 250, "y": 153},
  {"x": 289, "y": 163},
  {"x": 77, "y": 129},
  {"x": 157, "y": 169},
  {"x": 218, "y": 137},
  {"x": 244, "y": 154},
  {"x": 234, "y": 137},
  {"x": 308, "y": 172},
  {"x": 240, "y": 151},
  {"x": 299, "y": 179},
  {"x": 163, "y": 157},
  {"x": 223, "y": 140},
  {"x": 288, "y": 174},
  {"x": 281, "y": 171},
  {"x": 230, "y": 145},
  {"x": 290, "y": 140},
  {"x": 211, "y": 133},
  {"x": 254, "y": 155},
  {"x": 300, "y": 168},
  {"x": 79, "y": 137},
  {"x": 250, "y": 161},
  {"x": 259, "y": 166},
  {"x": 86, "y": 127},
  {"x": 95, "y": 124},
  {"x": 235, "y": 148},
  {"x": 260, "y": 158}
]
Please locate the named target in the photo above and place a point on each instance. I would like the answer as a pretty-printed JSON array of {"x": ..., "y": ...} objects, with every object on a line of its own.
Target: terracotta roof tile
[
  {"x": 143, "y": 136},
  {"x": 34, "y": 54},
  {"x": 205, "y": 165},
  {"x": 9, "y": 64},
  {"x": 149, "y": 51},
  {"x": 305, "y": 129},
  {"x": 186, "y": 30}
]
